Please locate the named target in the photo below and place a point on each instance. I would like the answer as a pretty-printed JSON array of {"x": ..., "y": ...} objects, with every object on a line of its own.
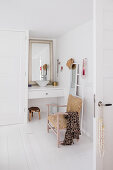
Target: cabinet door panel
[{"x": 12, "y": 77}]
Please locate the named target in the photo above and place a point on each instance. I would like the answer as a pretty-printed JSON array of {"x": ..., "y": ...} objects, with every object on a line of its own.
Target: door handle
[{"x": 101, "y": 104}]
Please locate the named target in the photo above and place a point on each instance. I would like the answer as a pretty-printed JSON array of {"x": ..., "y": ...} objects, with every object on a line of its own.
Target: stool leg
[
  {"x": 39, "y": 115},
  {"x": 32, "y": 114},
  {"x": 29, "y": 115}
]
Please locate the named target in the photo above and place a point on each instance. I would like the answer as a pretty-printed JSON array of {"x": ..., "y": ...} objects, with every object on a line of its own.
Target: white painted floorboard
[{"x": 30, "y": 147}]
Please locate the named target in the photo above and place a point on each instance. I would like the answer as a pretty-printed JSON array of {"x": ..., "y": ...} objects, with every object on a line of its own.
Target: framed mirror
[{"x": 40, "y": 60}]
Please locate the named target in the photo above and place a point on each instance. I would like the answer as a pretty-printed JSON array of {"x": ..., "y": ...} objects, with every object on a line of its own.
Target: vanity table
[{"x": 36, "y": 92}]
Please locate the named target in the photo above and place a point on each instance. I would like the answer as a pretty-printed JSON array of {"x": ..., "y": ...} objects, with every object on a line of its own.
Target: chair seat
[{"x": 53, "y": 121}]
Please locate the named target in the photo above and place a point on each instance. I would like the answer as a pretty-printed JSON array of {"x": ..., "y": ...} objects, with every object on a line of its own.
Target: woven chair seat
[{"x": 53, "y": 121}]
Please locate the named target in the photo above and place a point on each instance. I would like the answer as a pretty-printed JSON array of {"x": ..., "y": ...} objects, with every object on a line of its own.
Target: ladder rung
[
  {"x": 77, "y": 63},
  {"x": 78, "y": 85}
]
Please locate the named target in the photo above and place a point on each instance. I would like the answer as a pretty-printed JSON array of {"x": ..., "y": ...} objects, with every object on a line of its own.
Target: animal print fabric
[{"x": 72, "y": 129}]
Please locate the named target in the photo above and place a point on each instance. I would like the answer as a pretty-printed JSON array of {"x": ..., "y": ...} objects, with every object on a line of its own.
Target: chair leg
[
  {"x": 39, "y": 115},
  {"x": 47, "y": 127},
  {"x": 29, "y": 115},
  {"x": 48, "y": 120},
  {"x": 58, "y": 132},
  {"x": 58, "y": 142}
]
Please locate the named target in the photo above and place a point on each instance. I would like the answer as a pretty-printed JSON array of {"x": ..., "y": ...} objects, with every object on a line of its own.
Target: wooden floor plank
[
  {"x": 3, "y": 153},
  {"x": 17, "y": 157}
]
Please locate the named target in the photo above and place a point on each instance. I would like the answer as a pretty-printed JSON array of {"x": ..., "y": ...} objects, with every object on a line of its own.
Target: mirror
[{"x": 40, "y": 60}]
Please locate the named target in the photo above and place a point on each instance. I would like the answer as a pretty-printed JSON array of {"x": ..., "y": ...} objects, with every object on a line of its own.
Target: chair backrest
[{"x": 74, "y": 104}]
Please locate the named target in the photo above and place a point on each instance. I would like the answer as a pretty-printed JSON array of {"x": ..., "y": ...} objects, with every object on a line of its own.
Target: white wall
[
  {"x": 78, "y": 44},
  {"x": 42, "y": 104}
]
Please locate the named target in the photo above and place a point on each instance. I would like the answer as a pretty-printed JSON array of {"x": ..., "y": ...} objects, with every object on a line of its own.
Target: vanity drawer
[
  {"x": 35, "y": 94},
  {"x": 45, "y": 93},
  {"x": 53, "y": 93}
]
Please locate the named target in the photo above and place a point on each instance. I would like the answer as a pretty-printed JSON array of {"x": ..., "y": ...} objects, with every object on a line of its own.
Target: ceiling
[{"x": 45, "y": 18}]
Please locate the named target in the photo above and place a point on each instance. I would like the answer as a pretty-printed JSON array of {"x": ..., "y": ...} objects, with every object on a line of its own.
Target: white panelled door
[
  {"x": 103, "y": 17},
  {"x": 12, "y": 76}
]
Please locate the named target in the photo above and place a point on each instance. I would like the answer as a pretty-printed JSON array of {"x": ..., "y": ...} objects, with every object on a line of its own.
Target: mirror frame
[{"x": 50, "y": 42}]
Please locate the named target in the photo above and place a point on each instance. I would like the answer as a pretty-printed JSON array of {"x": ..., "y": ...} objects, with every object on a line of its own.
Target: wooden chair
[
  {"x": 57, "y": 121},
  {"x": 33, "y": 109}
]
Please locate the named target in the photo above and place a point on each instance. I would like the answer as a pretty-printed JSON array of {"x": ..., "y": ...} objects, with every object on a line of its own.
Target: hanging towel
[{"x": 72, "y": 129}]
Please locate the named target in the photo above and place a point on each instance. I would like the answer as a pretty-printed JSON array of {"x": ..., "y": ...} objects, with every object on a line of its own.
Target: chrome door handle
[{"x": 101, "y": 104}]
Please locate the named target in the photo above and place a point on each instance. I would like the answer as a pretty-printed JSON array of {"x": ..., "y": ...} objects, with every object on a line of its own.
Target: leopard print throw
[{"x": 72, "y": 129}]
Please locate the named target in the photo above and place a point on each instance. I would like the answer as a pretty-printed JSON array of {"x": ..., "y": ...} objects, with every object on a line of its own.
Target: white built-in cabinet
[{"x": 13, "y": 76}]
